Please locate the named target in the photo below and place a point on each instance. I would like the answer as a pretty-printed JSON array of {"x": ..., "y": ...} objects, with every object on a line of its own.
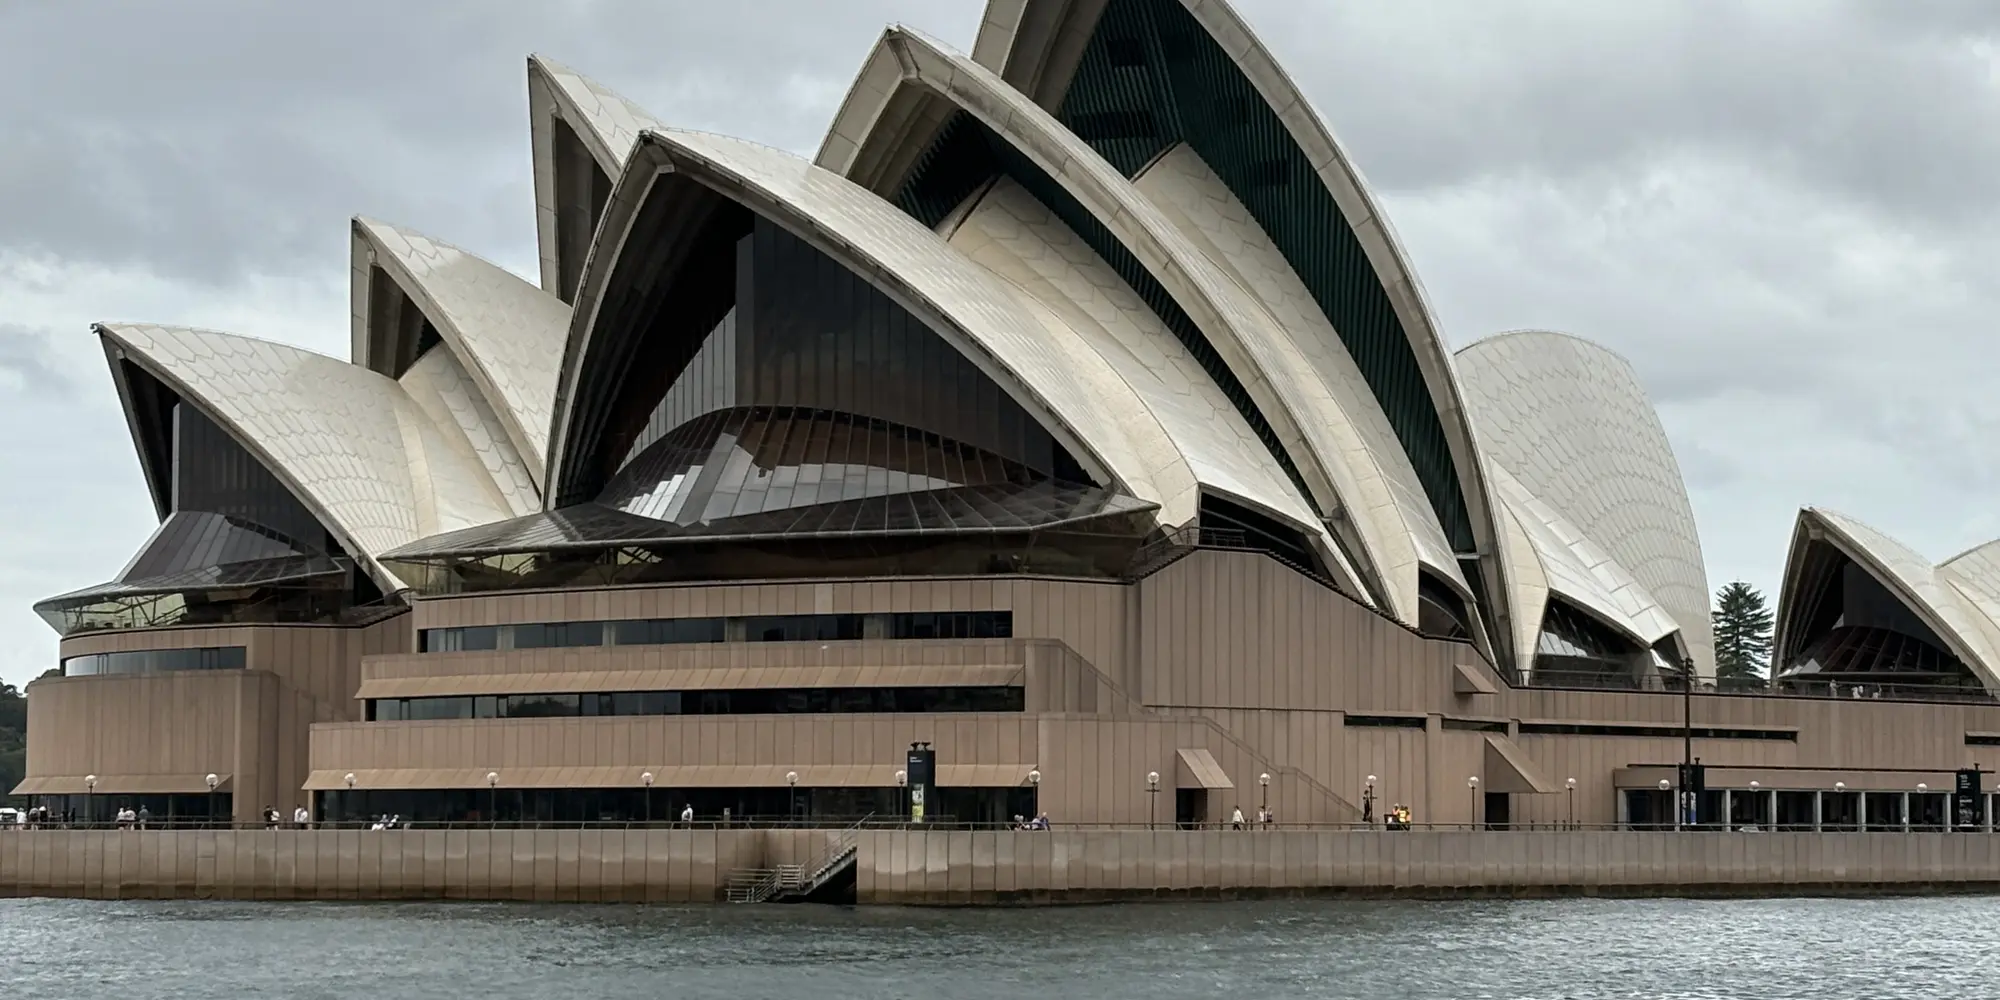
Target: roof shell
[
  {"x": 506, "y": 332},
  {"x": 1952, "y": 600},
  {"x": 1319, "y": 427},
  {"x": 1569, "y": 420},
  {"x": 1061, "y": 381},
  {"x": 351, "y": 444}
]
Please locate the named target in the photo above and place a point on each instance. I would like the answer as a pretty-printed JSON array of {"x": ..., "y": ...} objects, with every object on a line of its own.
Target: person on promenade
[
  {"x": 1041, "y": 822},
  {"x": 301, "y": 818},
  {"x": 687, "y": 814},
  {"x": 1236, "y": 818},
  {"x": 145, "y": 815}
]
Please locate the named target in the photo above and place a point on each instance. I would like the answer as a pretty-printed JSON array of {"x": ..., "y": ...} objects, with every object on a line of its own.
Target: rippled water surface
[{"x": 1871, "y": 949}]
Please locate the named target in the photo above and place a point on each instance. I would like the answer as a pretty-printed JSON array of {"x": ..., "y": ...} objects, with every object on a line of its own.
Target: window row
[
  {"x": 757, "y": 628},
  {"x": 748, "y": 701},
  {"x": 155, "y": 661}
]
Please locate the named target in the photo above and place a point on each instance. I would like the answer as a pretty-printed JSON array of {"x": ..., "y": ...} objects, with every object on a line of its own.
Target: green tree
[
  {"x": 13, "y": 738},
  {"x": 1742, "y": 620}
]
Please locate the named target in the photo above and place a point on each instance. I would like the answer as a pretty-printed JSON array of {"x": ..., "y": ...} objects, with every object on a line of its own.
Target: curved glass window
[
  {"x": 743, "y": 701},
  {"x": 805, "y": 334},
  {"x": 155, "y": 661},
  {"x": 750, "y": 461},
  {"x": 1576, "y": 650},
  {"x": 1845, "y": 629}
]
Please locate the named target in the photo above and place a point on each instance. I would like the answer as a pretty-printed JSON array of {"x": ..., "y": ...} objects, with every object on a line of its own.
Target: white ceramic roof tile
[
  {"x": 1576, "y": 569},
  {"x": 1191, "y": 194},
  {"x": 607, "y": 125},
  {"x": 606, "y": 122},
  {"x": 1020, "y": 239},
  {"x": 439, "y": 386},
  {"x": 1301, "y": 411},
  {"x": 989, "y": 323},
  {"x": 352, "y": 444},
  {"x": 507, "y": 332},
  {"x": 998, "y": 47},
  {"x": 1570, "y": 421},
  {"x": 1947, "y": 598}
]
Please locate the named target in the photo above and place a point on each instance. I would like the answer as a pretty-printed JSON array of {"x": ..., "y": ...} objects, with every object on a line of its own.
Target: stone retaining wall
[{"x": 961, "y": 868}]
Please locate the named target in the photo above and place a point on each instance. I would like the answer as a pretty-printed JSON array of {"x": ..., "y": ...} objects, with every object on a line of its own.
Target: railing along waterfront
[{"x": 851, "y": 826}]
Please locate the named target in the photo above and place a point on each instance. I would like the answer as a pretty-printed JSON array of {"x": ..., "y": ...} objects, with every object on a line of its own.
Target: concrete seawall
[{"x": 967, "y": 868}]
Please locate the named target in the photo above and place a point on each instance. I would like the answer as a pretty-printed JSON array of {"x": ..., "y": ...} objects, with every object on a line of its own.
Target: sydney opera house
[{"x": 1070, "y": 429}]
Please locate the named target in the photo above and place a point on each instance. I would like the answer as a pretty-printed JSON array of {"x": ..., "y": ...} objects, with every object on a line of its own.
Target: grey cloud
[
  {"x": 28, "y": 356},
  {"x": 213, "y": 138},
  {"x": 1883, "y": 104}
]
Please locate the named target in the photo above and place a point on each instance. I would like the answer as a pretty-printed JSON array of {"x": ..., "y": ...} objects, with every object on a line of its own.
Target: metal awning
[
  {"x": 1508, "y": 769},
  {"x": 121, "y": 784},
  {"x": 1198, "y": 769}
]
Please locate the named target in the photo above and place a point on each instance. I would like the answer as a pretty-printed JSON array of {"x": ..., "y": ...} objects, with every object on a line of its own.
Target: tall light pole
[
  {"x": 647, "y": 780},
  {"x": 492, "y": 799},
  {"x": 1264, "y": 784},
  {"x": 903, "y": 793},
  {"x": 89, "y": 799},
  {"x": 212, "y": 782},
  {"x": 1923, "y": 797},
  {"x": 1686, "y": 802},
  {"x": 792, "y": 782},
  {"x": 1665, "y": 792},
  {"x": 1472, "y": 786},
  {"x": 1571, "y": 785},
  {"x": 1035, "y": 791},
  {"x": 1368, "y": 801},
  {"x": 1756, "y": 806},
  {"x": 348, "y": 806},
  {"x": 1153, "y": 792}
]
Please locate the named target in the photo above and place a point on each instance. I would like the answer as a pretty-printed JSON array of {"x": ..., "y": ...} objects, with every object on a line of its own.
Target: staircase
[{"x": 793, "y": 882}]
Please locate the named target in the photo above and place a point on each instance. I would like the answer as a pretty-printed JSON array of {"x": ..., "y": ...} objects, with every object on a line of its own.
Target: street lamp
[
  {"x": 1571, "y": 785},
  {"x": 1035, "y": 794},
  {"x": 1153, "y": 790},
  {"x": 1756, "y": 807},
  {"x": 903, "y": 792},
  {"x": 1368, "y": 801},
  {"x": 1666, "y": 788},
  {"x": 1264, "y": 783},
  {"x": 647, "y": 780},
  {"x": 1922, "y": 789},
  {"x": 792, "y": 782},
  {"x": 212, "y": 782},
  {"x": 349, "y": 806},
  {"x": 492, "y": 799},
  {"x": 89, "y": 799},
  {"x": 1472, "y": 786}
]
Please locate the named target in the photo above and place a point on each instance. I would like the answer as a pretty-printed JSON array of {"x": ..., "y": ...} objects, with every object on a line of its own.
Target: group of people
[
  {"x": 1265, "y": 817},
  {"x": 273, "y": 819},
  {"x": 1040, "y": 822}
]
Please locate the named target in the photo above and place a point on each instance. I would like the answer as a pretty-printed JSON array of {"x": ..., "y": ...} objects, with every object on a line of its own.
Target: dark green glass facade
[{"x": 1152, "y": 76}]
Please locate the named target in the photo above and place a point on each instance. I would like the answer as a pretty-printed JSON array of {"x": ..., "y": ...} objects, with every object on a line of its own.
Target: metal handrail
[{"x": 848, "y": 835}]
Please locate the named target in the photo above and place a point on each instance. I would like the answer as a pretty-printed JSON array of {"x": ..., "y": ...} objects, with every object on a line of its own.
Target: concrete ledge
[{"x": 966, "y": 868}]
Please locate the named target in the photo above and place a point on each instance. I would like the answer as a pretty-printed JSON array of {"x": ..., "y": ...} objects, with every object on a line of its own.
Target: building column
[
  {"x": 1861, "y": 810},
  {"x": 1819, "y": 812},
  {"x": 1728, "y": 817},
  {"x": 1906, "y": 812},
  {"x": 1771, "y": 810}
]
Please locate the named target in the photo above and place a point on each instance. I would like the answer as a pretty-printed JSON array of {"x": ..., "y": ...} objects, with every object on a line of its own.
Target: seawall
[{"x": 972, "y": 868}]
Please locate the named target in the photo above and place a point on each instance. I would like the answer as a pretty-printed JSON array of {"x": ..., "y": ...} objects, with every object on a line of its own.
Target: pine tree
[{"x": 1742, "y": 621}]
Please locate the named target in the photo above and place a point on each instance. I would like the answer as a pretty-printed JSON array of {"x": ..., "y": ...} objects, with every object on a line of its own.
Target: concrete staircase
[{"x": 790, "y": 883}]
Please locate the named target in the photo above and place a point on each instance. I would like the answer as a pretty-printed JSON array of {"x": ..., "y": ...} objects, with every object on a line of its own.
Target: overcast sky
[{"x": 1782, "y": 211}]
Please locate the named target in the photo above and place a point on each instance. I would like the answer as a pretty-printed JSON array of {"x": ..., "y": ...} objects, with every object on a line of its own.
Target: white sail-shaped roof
[
  {"x": 1571, "y": 424},
  {"x": 1955, "y": 601},
  {"x": 351, "y": 444},
  {"x": 1067, "y": 386},
  {"x": 507, "y": 334},
  {"x": 1317, "y": 427}
]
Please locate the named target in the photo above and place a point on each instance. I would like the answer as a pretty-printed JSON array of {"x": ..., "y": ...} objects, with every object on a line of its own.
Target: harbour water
[{"x": 1741, "y": 949}]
